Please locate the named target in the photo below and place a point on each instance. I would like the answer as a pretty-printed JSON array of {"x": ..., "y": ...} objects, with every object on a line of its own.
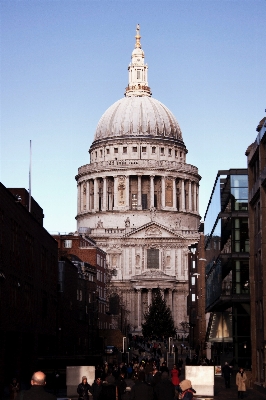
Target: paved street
[{"x": 220, "y": 393}]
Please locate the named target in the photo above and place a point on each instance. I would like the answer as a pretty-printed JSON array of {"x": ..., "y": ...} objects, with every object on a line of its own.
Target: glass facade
[
  {"x": 212, "y": 223},
  {"x": 227, "y": 267}
]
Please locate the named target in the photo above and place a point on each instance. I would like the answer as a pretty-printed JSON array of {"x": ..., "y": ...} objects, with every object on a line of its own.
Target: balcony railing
[{"x": 103, "y": 165}]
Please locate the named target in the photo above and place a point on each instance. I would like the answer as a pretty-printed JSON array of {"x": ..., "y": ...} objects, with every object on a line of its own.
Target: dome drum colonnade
[
  {"x": 138, "y": 171},
  {"x": 137, "y": 192}
]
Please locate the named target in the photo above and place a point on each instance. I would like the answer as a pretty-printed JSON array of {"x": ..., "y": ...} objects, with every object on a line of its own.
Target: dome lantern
[{"x": 138, "y": 72}]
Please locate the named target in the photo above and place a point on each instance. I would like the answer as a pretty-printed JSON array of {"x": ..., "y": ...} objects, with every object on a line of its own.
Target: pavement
[{"x": 221, "y": 393}]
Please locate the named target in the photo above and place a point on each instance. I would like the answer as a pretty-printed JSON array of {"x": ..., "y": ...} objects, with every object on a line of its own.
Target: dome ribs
[{"x": 138, "y": 116}]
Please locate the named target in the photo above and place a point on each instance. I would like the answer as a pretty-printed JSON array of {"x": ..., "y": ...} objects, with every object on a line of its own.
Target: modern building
[
  {"x": 256, "y": 158},
  {"x": 227, "y": 269},
  {"x": 139, "y": 198},
  {"x": 28, "y": 286}
]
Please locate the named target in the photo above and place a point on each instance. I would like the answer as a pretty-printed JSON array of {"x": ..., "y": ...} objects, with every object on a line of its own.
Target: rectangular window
[
  {"x": 134, "y": 201},
  {"x": 176, "y": 153},
  {"x": 193, "y": 297},
  {"x": 153, "y": 258},
  {"x": 101, "y": 153},
  {"x": 134, "y": 149},
  {"x": 144, "y": 202},
  {"x": 107, "y": 151},
  {"x": 162, "y": 151},
  {"x": 124, "y": 150},
  {"x": 67, "y": 244},
  {"x": 153, "y": 150},
  {"x": 193, "y": 280},
  {"x": 138, "y": 74},
  {"x": 115, "y": 150},
  {"x": 144, "y": 149},
  {"x": 169, "y": 152}
]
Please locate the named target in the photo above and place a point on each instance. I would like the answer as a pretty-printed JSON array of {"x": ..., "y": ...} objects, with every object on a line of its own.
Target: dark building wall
[
  {"x": 22, "y": 196},
  {"x": 87, "y": 251},
  {"x": 256, "y": 158},
  {"x": 28, "y": 289}
]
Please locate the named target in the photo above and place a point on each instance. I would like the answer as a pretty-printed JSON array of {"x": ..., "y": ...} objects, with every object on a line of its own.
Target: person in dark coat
[
  {"x": 164, "y": 390},
  {"x": 156, "y": 377},
  {"x": 226, "y": 371},
  {"x": 83, "y": 389},
  {"x": 96, "y": 388},
  {"x": 141, "y": 390},
  {"x": 121, "y": 385},
  {"x": 108, "y": 392},
  {"x": 38, "y": 381}
]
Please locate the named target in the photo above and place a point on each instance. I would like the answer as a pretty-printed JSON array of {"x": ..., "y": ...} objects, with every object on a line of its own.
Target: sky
[{"x": 63, "y": 63}]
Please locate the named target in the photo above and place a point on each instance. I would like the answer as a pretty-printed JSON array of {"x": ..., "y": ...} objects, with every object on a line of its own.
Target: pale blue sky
[{"x": 63, "y": 63}]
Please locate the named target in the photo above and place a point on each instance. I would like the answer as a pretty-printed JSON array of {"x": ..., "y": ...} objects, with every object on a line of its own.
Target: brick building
[
  {"x": 28, "y": 286},
  {"x": 256, "y": 158},
  {"x": 77, "y": 312},
  {"x": 86, "y": 250}
]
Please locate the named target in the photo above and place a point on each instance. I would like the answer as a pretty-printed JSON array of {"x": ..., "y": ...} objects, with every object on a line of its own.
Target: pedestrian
[
  {"x": 175, "y": 376},
  {"x": 96, "y": 388},
  {"x": 83, "y": 389},
  {"x": 164, "y": 368},
  {"x": 164, "y": 390},
  {"x": 108, "y": 392},
  {"x": 38, "y": 381},
  {"x": 241, "y": 378},
  {"x": 141, "y": 390},
  {"x": 226, "y": 372},
  {"x": 121, "y": 385},
  {"x": 13, "y": 389},
  {"x": 186, "y": 390}
]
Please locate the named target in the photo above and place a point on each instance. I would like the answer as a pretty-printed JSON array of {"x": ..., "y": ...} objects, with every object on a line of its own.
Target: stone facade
[{"x": 139, "y": 198}]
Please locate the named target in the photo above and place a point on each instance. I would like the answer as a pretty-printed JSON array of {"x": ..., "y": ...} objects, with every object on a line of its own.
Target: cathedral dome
[{"x": 138, "y": 116}]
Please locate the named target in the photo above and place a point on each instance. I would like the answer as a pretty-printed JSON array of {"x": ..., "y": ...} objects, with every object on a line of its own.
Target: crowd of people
[{"x": 149, "y": 381}]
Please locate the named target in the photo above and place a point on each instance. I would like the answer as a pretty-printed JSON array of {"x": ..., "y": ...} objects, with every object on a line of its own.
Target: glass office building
[{"x": 227, "y": 268}]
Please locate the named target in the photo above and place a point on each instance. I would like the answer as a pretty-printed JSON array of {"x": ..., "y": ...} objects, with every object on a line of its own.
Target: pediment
[
  {"x": 153, "y": 230},
  {"x": 153, "y": 274}
]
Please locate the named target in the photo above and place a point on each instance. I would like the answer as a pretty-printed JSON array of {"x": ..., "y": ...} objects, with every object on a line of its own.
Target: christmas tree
[{"x": 158, "y": 318}]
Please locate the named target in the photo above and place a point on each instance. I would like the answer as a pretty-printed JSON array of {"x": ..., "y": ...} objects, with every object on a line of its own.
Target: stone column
[
  {"x": 115, "y": 193},
  {"x": 139, "y": 193},
  {"x": 139, "y": 307},
  {"x": 197, "y": 197},
  {"x": 88, "y": 196},
  {"x": 149, "y": 297},
  {"x": 81, "y": 196},
  {"x": 151, "y": 190},
  {"x": 127, "y": 191},
  {"x": 96, "y": 195},
  {"x": 194, "y": 197},
  {"x": 163, "y": 192},
  {"x": 170, "y": 299},
  {"x": 182, "y": 195},
  {"x": 174, "y": 194},
  {"x": 78, "y": 202},
  {"x": 104, "y": 206},
  {"x": 189, "y": 196}
]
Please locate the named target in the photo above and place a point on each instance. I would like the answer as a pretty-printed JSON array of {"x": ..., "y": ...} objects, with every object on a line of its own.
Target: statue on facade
[
  {"x": 100, "y": 224},
  {"x": 127, "y": 222}
]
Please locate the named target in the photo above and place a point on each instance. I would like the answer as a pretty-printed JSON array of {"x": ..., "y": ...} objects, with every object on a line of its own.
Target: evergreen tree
[{"x": 158, "y": 318}]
